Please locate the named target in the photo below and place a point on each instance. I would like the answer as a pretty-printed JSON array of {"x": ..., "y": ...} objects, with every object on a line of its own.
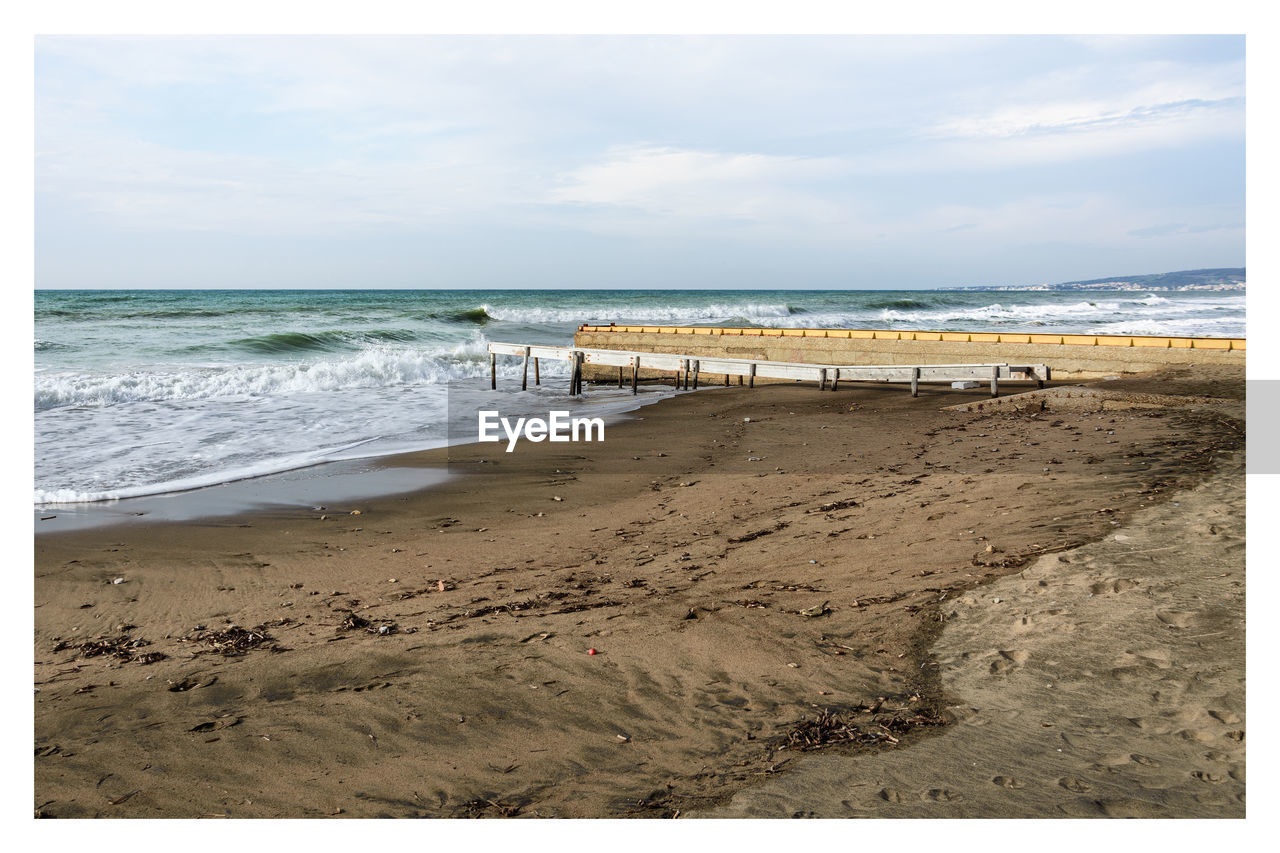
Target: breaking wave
[{"x": 374, "y": 367}]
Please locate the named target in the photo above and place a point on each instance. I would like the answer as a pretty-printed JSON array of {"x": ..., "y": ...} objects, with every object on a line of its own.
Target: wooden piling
[
  {"x": 995, "y": 380},
  {"x": 635, "y": 373},
  {"x": 537, "y": 378},
  {"x": 822, "y": 379},
  {"x": 524, "y": 378},
  {"x": 493, "y": 371},
  {"x": 575, "y": 375},
  {"x": 751, "y": 376},
  {"x": 696, "y": 367}
]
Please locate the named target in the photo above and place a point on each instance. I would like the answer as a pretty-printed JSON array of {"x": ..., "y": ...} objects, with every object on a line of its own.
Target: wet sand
[{"x": 429, "y": 656}]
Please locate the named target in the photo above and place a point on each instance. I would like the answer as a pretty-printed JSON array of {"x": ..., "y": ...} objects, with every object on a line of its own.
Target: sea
[{"x": 153, "y": 392}]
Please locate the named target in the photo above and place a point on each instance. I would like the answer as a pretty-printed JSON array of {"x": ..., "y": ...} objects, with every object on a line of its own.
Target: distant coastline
[{"x": 1229, "y": 279}]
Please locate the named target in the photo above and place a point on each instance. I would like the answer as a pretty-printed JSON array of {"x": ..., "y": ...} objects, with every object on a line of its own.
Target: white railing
[{"x": 692, "y": 366}]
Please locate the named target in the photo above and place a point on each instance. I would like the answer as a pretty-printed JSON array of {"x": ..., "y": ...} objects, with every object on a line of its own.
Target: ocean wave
[
  {"x": 51, "y": 346},
  {"x": 1041, "y": 312},
  {"x": 284, "y": 343},
  {"x": 641, "y": 315},
  {"x": 900, "y": 303},
  {"x": 373, "y": 367},
  {"x": 1220, "y": 327}
]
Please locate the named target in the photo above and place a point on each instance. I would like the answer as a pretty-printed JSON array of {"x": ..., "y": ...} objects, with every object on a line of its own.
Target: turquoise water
[{"x": 143, "y": 392}]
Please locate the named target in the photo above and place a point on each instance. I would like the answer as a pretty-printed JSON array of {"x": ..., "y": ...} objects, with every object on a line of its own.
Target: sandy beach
[{"x": 745, "y": 602}]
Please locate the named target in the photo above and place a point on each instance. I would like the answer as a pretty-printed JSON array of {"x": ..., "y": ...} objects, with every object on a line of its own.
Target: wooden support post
[
  {"x": 575, "y": 375},
  {"x": 493, "y": 371},
  {"x": 751, "y": 376},
  {"x": 619, "y": 375},
  {"x": 835, "y": 378},
  {"x": 741, "y": 380},
  {"x": 726, "y": 380},
  {"x": 995, "y": 380},
  {"x": 635, "y": 373},
  {"x": 697, "y": 365},
  {"x": 524, "y": 378},
  {"x": 915, "y": 382},
  {"x": 537, "y": 376},
  {"x": 686, "y": 373},
  {"x": 822, "y": 379}
]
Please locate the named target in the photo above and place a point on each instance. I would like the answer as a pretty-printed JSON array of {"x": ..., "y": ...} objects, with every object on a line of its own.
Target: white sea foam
[
  {"x": 156, "y": 447},
  {"x": 640, "y": 313},
  {"x": 374, "y": 367}
]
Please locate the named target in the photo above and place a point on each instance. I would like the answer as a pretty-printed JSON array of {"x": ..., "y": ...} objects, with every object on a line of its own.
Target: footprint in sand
[
  {"x": 1198, "y": 735},
  {"x": 942, "y": 795},
  {"x": 1207, "y": 776},
  {"x": 1150, "y": 725},
  {"x": 1006, "y": 782},
  {"x": 1176, "y": 618},
  {"x": 893, "y": 795},
  {"x": 1073, "y": 783},
  {"x": 1225, "y": 717},
  {"x": 1111, "y": 585},
  {"x": 1009, "y": 659}
]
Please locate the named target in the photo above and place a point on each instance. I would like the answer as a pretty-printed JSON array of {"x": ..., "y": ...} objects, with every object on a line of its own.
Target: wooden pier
[{"x": 690, "y": 368}]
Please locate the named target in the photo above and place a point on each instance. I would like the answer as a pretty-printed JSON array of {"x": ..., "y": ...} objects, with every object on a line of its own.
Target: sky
[{"x": 636, "y": 162}]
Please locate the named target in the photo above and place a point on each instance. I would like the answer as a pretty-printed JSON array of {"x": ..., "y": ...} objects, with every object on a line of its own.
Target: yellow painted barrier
[{"x": 964, "y": 337}]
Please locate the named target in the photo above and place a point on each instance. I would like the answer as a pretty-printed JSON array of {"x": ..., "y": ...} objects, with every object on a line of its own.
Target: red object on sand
[{"x": 591, "y": 651}]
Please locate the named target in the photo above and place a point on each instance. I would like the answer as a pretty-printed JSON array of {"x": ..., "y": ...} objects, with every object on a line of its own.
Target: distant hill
[{"x": 1215, "y": 279}]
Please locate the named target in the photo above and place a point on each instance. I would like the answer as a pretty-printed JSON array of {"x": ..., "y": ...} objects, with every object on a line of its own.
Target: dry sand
[
  {"x": 729, "y": 601},
  {"x": 1104, "y": 681}
]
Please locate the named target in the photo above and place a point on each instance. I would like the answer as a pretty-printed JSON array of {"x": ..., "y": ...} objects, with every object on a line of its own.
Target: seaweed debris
[
  {"x": 123, "y": 648},
  {"x": 865, "y": 724}
]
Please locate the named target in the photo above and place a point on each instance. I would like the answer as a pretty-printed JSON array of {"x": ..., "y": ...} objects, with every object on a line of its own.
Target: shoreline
[
  {"x": 727, "y": 599},
  {"x": 339, "y": 480}
]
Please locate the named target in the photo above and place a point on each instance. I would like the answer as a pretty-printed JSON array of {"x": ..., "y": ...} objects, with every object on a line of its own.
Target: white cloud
[
  {"x": 1092, "y": 110},
  {"x": 685, "y": 184}
]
